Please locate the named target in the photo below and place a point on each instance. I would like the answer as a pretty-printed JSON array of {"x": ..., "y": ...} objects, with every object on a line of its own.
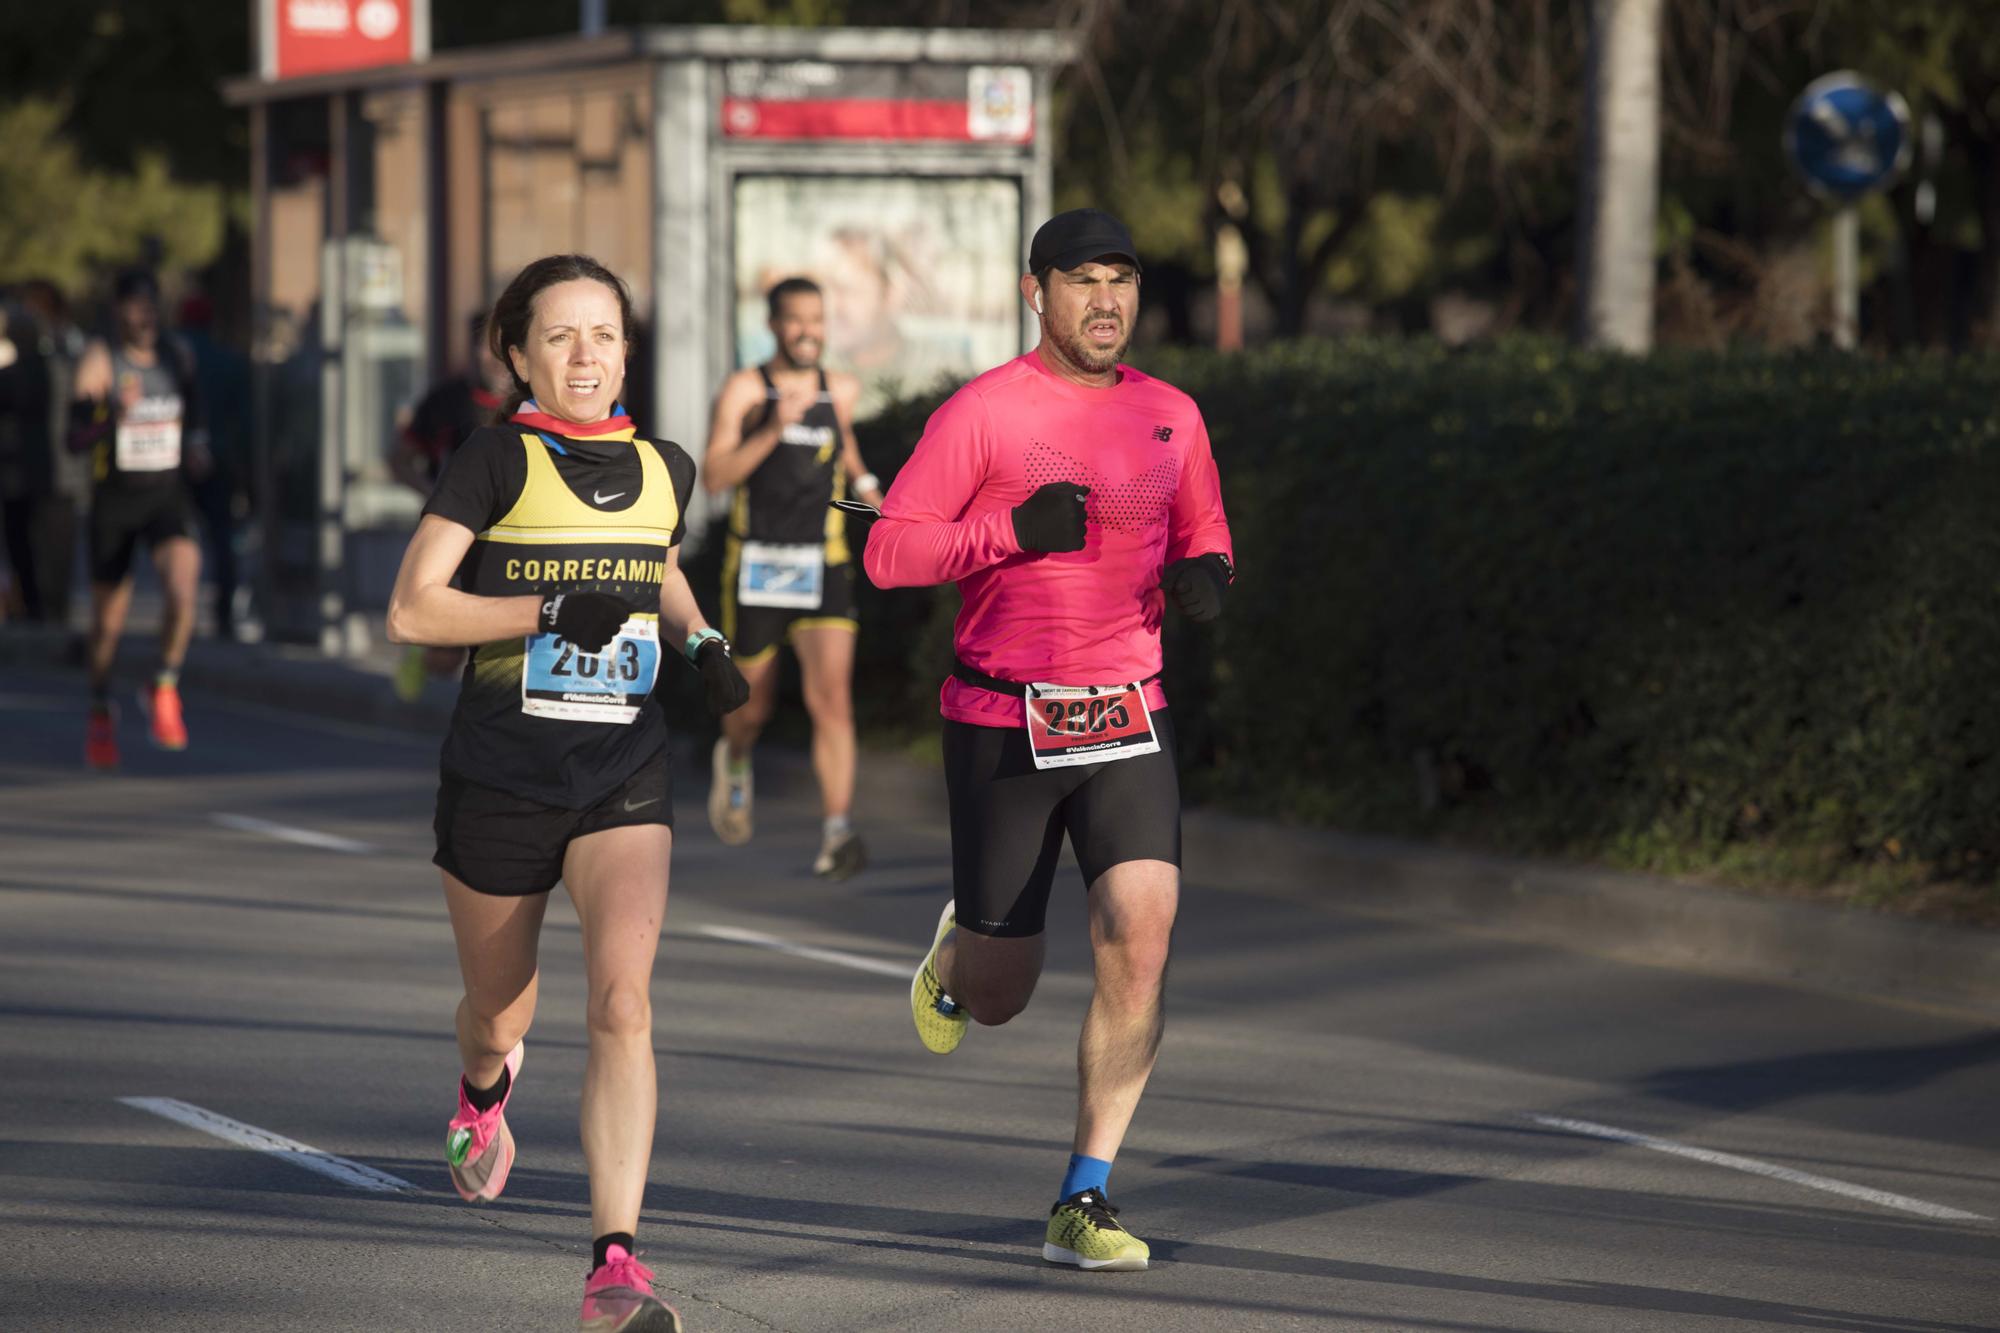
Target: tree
[
  {"x": 136, "y": 77},
  {"x": 60, "y": 219},
  {"x": 1289, "y": 118},
  {"x": 1944, "y": 57},
  {"x": 1621, "y": 176},
  {"x": 1435, "y": 138}
]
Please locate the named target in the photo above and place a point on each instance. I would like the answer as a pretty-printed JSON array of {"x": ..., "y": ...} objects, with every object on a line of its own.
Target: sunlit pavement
[{"x": 1355, "y": 1123}]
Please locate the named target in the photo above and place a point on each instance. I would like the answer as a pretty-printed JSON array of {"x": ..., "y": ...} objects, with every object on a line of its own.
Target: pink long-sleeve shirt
[{"x": 1088, "y": 617}]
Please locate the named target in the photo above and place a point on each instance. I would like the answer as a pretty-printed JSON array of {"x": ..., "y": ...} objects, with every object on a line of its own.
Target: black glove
[
  {"x": 589, "y": 620},
  {"x": 1197, "y": 584},
  {"x": 1052, "y": 518},
  {"x": 727, "y": 690}
]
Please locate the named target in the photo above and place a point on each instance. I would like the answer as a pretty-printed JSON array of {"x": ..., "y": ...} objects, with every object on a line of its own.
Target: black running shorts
[
  {"x": 122, "y": 518},
  {"x": 1008, "y": 819},
  {"x": 509, "y": 846},
  {"x": 755, "y": 631}
]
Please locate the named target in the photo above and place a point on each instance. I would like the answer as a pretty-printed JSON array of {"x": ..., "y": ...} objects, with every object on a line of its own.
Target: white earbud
[{"x": 1036, "y": 301}]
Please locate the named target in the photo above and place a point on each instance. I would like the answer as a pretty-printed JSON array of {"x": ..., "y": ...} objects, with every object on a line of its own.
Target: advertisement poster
[{"x": 919, "y": 274}]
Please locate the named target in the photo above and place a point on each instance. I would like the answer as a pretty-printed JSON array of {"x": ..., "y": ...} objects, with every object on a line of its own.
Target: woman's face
[{"x": 574, "y": 357}]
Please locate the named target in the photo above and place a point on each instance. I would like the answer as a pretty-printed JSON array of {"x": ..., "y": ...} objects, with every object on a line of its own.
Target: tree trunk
[
  {"x": 1621, "y": 176},
  {"x": 1984, "y": 155},
  {"x": 1294, "y": 292},
  {"x": 1919, "y": 283}
]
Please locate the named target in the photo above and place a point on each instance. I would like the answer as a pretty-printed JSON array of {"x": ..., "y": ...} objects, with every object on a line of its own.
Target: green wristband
[{"x": 698, "y": 638}]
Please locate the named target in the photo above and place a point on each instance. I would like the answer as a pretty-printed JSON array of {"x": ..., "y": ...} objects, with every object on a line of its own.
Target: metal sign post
[
  {"x": 1846, "y": 278},
  {"x": 1847, "y": 139}
]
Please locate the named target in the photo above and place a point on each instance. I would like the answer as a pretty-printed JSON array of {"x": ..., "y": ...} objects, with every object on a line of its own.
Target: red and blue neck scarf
[{"x": 617, "y": 426}]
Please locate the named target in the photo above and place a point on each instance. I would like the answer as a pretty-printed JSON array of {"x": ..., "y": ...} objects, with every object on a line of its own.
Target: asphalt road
[{"x": 1355, "y": 1123}]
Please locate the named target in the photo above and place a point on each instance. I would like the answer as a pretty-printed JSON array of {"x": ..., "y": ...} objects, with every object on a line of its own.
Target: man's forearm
[
  {"x": 735, "y": 465},
  {"x": 902, "y": 553}
]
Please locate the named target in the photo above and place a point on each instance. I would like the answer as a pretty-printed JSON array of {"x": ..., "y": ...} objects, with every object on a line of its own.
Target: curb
[{"x": 1635, "y": 918}]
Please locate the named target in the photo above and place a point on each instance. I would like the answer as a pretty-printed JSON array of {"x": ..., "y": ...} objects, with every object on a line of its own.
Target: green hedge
[{"x": 1724, "y": 613}]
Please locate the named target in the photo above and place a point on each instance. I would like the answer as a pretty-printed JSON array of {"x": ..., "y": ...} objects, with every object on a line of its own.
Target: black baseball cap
[{"x": 1077, "y": 237}]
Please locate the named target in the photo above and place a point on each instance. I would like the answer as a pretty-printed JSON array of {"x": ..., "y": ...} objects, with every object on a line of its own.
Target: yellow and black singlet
[
  {"x": 786, "y": 500},
  {"x": 784, "y": 534},
  {"x": 596, "y": 511}
]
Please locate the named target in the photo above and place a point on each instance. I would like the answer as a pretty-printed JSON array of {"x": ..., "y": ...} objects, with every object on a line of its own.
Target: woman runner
[{"x": 550, "y": 548}]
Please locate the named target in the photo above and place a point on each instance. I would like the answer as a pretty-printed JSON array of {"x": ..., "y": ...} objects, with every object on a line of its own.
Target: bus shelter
[{"x": 901, "y": 169}]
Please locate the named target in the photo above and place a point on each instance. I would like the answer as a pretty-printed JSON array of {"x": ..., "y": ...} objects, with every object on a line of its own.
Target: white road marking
[
  {"x": 277, "y": 1145},
  {"x": 853, "y": 960},
  {"x": 1756, "y": 1168},
  {"x": 304, "y": 837}
]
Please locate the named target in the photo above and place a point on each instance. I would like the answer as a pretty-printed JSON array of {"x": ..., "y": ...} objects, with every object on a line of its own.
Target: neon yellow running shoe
[
  {"x": 940, "y": 1020},
  {"x": 1084, "y": 1231}
]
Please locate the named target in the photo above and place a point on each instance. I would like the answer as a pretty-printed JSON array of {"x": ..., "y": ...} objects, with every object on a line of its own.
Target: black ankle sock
[
  {"x": 600, "y": 1247},
  {"x": 485, "y": 1099}
]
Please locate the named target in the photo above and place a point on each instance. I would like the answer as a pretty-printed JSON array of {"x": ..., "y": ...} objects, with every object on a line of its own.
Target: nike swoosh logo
[
  {"x": 631, "y": 804},
  {"x": 595, "y": 498}
]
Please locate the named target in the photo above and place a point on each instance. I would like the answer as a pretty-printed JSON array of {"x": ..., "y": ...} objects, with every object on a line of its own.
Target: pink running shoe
[
  {"x": 477, "y": 1145},
  {"x": 618, "y": 1298}
]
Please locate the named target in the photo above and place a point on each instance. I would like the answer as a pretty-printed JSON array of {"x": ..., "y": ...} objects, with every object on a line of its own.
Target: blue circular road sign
[{"x": 1846, "y": 137}]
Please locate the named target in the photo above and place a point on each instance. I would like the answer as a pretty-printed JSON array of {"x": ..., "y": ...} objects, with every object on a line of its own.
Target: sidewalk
[{"x": 1635, "y": 918}]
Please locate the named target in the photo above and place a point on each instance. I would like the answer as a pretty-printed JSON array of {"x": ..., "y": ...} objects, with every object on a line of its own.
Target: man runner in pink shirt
[{"x": 1070, "y": 498}]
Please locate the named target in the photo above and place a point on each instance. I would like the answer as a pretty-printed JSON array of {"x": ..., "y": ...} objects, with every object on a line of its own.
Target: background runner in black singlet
[
  {"x": 137, "y": 414},
  {"x": 782, "y": 434}
]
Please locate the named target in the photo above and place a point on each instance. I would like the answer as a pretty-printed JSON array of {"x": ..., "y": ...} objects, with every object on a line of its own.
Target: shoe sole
[
  {"x": 1128, "y": 1263},
  {"x": 730, "y": 834},
  {"x": 662, "y": 1320},
  {"x": 945, "y": 923}
]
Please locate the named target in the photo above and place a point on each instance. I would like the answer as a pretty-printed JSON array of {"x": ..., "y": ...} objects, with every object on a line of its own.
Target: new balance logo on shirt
[{"x": 1163, "y": 432}]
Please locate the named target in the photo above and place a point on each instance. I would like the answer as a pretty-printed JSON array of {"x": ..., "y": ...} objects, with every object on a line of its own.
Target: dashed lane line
[
  {"x": 304, "y": 837},
  {"x": 1884, "y": 1198},
  {"x": 353, "y": 1174},
  {"x": 856, "y": 961}
]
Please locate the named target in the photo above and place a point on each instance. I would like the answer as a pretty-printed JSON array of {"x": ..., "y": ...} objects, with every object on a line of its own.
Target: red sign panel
[
  {"x": 844, "y": 118},
  {"x": 815, "y": 100},
  {"x": 320, "y": 36}
]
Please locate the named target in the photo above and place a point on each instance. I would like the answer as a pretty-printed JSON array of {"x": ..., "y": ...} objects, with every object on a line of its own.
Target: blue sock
[{"x": 1085, "y": 1173}]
